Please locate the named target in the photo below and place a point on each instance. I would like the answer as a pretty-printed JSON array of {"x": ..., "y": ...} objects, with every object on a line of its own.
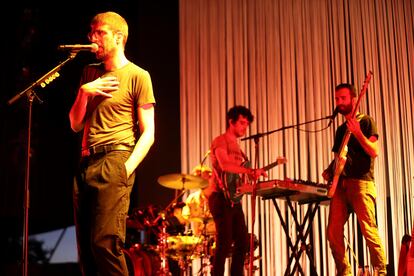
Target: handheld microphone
[
  {"x": 79, "y": 47},
  {"x": 333, "y": 116}
]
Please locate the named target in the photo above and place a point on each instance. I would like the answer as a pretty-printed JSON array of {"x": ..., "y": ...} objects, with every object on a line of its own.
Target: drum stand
[
  {"x": 162, "y": 247},
  {"x": 184, "y": 263},
  {"x": 205, "y": 268},
  {"x": 162, "y": 239}
]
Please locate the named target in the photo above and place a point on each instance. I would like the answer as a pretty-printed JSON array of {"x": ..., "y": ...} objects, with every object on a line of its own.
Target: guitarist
[
  {"x": 228, "y": 158},
  {"x": 356, "y": 190}
]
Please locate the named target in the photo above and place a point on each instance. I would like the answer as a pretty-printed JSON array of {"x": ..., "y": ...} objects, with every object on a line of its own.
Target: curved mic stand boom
[{"x": 29, "y": 91}]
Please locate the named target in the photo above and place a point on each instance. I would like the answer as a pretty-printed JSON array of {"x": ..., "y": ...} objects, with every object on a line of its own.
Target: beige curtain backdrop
[{"x": 282, "y": 59}]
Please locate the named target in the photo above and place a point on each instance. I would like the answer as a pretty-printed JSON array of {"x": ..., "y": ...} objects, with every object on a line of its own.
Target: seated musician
[{"x": 196, "y": 210}]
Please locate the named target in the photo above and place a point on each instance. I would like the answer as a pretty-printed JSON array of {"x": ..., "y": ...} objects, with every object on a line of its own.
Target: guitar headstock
[
  {"x": 366, "y": 82},
  {"x": 363, "y": 91}
]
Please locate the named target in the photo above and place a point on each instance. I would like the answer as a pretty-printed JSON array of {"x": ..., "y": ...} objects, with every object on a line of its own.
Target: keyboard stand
[{"x": 303, "y": 229}]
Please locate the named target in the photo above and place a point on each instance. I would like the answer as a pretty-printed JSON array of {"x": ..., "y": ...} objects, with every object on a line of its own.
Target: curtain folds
[{"x": 282, "y": 59}]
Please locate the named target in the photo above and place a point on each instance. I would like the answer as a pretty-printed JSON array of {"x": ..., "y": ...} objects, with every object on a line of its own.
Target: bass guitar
[{"x": 341, "y": 157}]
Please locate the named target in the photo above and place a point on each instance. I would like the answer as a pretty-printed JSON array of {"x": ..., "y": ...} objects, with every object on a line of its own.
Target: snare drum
[{"x": 188, "y": 246}]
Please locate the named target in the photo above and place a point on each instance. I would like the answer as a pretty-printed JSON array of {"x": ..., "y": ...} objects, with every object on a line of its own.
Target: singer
[
  {"x": 114, "y": 111},
  {"x": 356, "y": 188}
]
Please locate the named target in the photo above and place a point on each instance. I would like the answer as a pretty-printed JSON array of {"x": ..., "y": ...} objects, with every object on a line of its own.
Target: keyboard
[{"x": 302, "y": 191}]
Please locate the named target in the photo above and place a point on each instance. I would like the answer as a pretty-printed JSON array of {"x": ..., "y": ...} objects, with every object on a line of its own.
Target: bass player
[{"x": 356, "y": 190}]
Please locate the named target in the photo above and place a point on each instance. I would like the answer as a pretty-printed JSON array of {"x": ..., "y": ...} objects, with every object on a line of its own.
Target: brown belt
[{"x": 104, "y": 149}]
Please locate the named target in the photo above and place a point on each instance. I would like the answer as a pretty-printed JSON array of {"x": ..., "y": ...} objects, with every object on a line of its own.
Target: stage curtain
[{"x": 283, "y": 59}]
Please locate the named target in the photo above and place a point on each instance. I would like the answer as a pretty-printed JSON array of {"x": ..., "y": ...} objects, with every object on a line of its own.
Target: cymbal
[{"x": 182, "y": 181}]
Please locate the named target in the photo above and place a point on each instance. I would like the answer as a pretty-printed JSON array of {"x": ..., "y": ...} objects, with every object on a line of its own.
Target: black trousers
[
  {"x": 101, "y": 200},
  {"x": 231, "y": 234}
]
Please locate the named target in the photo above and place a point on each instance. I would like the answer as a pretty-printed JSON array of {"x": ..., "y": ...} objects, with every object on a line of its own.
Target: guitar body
[
  {"x": 340, "y": 162},
  {"x": 231, "y": 181}
]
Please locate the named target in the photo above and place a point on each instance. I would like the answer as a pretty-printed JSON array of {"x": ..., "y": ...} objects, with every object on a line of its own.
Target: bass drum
[{"x": 142, "y": 262}]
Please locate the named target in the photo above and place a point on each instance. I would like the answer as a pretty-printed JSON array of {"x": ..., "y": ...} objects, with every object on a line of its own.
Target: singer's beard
[
  {"x": 101, "y": 54},
  {"x": 345, "y": 109}
]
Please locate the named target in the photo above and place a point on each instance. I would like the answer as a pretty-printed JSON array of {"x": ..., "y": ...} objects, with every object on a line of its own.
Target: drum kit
[{"x": 156, "y": 237}]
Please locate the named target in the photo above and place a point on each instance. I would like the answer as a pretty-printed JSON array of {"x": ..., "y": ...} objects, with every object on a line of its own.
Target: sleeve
[
  {"x": 369, "y": 127},
  {"x": 145, "y": 90}
]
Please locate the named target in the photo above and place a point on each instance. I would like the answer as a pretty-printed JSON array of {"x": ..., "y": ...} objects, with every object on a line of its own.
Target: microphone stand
[
  {"x": 259, "y": 135},
  {"x": 29, "y": 91},
  {"x": 253, "y": 206},
  {"x": 256, "y": 138}
]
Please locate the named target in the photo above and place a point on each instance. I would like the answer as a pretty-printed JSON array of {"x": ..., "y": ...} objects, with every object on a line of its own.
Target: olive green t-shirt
[{"x": 115, "y": 120}]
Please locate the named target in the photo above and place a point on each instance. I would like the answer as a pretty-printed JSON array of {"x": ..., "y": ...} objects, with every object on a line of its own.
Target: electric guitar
[
  {"x": 340, "y": 158},
  {"x": 231, "y": 181}
]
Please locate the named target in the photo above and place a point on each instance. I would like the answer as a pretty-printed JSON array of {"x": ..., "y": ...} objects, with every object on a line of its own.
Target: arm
[
  {"x": 228, "y": 166},
  {"x": 370, "y": 145},
  {"x": 99, "y": 87},
  {"x": 145, "y": 141}
]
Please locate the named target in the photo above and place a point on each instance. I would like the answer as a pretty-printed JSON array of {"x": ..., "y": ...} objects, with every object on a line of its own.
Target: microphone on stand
[
  {"x": 79, "y": 47},
  {"x": 200, "y": 168},
  {"x": 205, "y": 157},
  {"x": 333, "y": 116}
]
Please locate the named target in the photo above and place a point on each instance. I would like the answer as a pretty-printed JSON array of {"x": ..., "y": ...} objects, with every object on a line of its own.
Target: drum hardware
[
  {"x": 207, "y": 253},
  {"x": 162, "y": 249},
  {"x": 162, "y": 235},
  {"x": 180, "y": 247},
  {"x": 162, "y": 246},
  {"x": 207, "y": 247},
  {"x": 165, "y": 214},
  {"x": 184, "y": 249}
]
